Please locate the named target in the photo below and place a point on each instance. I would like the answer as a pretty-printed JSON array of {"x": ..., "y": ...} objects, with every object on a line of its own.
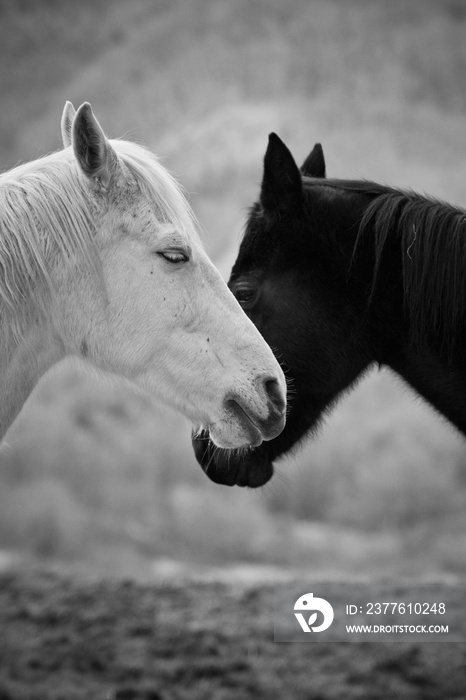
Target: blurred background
[{"x": 94, "y": 477}]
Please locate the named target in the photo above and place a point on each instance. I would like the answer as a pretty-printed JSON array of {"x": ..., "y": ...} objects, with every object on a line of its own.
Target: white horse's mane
[{"x": 47, "y": 212}]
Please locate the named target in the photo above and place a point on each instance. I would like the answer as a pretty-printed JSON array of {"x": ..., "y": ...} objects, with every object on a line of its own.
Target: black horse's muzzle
[{"x": 232, "y": 467}]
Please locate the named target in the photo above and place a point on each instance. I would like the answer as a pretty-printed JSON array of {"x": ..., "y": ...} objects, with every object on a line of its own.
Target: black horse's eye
[{"x": 245, "y": 294}]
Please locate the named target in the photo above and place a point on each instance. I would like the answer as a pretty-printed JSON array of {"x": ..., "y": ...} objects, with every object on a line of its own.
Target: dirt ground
[{"x": 68, "y": 639}]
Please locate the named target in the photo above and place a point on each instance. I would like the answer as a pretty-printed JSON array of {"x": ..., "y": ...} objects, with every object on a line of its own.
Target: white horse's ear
[
  {"x": 66, "y": 124},
  {"x": 95, "y": 156}
]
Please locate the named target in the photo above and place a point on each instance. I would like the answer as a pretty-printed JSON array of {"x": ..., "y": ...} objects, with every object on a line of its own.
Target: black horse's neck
[
  {"x": 406, "y": 263},
  {"x": 441, "y": 383},
  {"x": 417, "y": 299}
]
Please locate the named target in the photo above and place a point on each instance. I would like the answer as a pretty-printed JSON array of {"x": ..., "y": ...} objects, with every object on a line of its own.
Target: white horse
[{"x": 100, "y": 257}]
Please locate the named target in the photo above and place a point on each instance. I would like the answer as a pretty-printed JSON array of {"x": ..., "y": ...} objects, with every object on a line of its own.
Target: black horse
[{"x": 338, "y": 275}]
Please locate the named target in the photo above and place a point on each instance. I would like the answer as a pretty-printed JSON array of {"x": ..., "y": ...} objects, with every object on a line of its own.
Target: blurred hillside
[{"x": 92, "y": 472}]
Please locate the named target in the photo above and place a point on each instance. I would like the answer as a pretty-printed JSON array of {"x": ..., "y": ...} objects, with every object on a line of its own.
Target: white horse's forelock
[
  {"x": 47, "y": 213},
  {"x": 159, "y": 186}
]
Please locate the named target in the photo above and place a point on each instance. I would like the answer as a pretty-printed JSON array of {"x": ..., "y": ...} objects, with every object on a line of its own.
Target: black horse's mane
[{"x": 432, "y": 238}]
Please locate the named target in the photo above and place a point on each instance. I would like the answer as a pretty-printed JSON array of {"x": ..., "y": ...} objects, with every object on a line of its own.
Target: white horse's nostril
[{"x": 274, "y": 394}]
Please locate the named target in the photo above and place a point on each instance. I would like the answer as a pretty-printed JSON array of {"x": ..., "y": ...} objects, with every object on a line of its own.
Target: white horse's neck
[{"x": 21, "y": 366}]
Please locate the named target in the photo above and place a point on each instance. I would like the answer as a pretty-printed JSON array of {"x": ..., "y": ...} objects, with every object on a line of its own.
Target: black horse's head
[{"x": 291, "y": 278}]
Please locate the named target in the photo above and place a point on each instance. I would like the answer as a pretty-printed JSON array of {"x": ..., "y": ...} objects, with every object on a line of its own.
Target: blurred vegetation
[{"x": 93, "y": 473}]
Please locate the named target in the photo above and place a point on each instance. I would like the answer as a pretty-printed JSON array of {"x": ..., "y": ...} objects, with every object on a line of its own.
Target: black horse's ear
[
  {"x": 314, "y": 165},
  {"x": 282, "y": 189}
]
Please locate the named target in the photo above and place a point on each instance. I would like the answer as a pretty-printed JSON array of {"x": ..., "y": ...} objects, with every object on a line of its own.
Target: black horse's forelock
[{"x": 432, "y": 239}]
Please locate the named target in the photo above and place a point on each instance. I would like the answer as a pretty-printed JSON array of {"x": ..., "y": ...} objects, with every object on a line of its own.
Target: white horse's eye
[{"x": 173, "y": 255}]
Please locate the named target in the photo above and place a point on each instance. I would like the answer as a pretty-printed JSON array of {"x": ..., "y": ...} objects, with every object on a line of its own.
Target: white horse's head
[{"x": 157, "y": 310}]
